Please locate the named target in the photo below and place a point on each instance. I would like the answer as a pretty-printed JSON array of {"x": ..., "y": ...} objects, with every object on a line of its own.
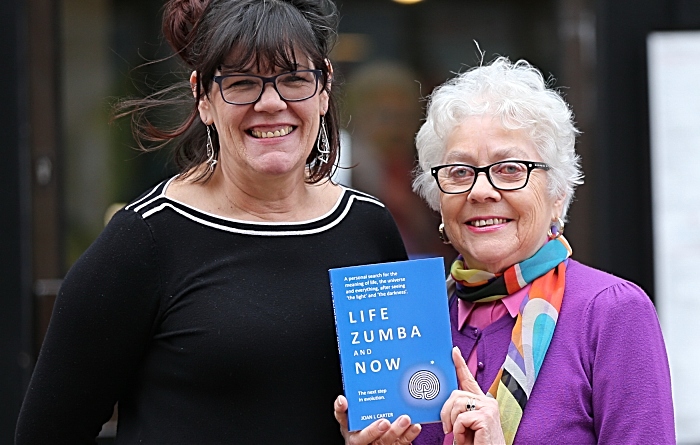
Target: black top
[{"x": 206, "y": 330}]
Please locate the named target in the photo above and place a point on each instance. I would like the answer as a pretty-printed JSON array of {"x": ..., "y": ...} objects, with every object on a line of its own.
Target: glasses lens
[
  {"x": 297, "y": 85},
  {"x": 508, "y": 175},
  {"x": 456, "y": 178},
  {"x": 241, "y": 89}
]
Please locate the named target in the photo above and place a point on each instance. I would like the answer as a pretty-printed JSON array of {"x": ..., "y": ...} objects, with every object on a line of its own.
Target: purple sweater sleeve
[{"x": 631, "y": 385}]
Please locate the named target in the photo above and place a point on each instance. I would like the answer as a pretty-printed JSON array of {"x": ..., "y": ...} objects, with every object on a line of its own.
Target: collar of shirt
[{"x": 491, "y": 311}]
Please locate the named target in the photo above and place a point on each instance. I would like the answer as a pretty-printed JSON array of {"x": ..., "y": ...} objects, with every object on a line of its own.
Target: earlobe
[
  {"x": 203, "y": 106},
  {"x": 556, "y": 225},
  {"x": 324, "y": 103},
  {"x": 556, "y": 228}
]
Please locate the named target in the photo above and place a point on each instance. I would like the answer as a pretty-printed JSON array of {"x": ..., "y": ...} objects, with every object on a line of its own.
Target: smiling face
[
  {"x": 270, "y": 137},
  {"x": 495, "y": 229}
]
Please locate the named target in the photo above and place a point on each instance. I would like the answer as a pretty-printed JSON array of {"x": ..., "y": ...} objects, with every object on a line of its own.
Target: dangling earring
[
  {"x": 556, "y": 228},
  {"x": 211, "y": 162},
  {"x": 443, "y": 234},
  {"x": 322, "y": 144}
]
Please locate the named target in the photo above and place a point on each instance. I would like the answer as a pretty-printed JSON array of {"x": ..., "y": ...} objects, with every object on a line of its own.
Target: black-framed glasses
[
  {"x": 503, "y": 175},
  {"x": 244, "y": 89}
]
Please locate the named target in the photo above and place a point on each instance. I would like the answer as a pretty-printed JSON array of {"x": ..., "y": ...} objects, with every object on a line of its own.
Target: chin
[
  {"x": 490, "y": 262},
  {"x": 279, "y": 163},
  {"x": 276, "y": 170}
]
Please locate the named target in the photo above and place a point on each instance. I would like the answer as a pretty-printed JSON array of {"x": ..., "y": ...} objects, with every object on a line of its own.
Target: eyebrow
[
  {"x": 502, "y": 154},
  {"x": 229, "y": 69},
  {"x": 457, "y": 157}
]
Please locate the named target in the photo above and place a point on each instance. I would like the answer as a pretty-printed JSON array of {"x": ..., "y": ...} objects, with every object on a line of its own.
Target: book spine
[{"x": 337, "y": 338}]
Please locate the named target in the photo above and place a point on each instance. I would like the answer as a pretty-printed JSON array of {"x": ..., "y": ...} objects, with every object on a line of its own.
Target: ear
[
  {"x": 329, "y": 66},
  {"x": 324, "y": 96},
  {"x": 558, "y": 207},
  {"x": 204, "y": 106}
]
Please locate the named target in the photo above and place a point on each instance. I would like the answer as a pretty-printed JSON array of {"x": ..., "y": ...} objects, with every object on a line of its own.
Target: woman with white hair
[{"x": 556, "y": 352}]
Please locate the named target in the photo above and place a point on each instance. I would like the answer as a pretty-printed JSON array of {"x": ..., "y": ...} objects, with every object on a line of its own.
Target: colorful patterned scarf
[{"x": 534, "y": 325}]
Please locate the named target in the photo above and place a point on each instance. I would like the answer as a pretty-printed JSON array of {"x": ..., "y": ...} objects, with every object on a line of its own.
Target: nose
[
  {"x": 270, "y": 100},
  {"x": 483, "y": 190}
]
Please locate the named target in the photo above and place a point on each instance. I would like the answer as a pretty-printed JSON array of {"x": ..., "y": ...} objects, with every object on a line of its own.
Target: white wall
[{"x": 674, "y": 99}]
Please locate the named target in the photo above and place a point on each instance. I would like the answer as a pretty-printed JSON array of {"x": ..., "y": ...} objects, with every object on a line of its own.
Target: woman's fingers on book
[
  {"x": 381, "y": 432},
  {"x": 464, "y": 376},
  {"x": 340, "y": 411},
  {"x": 340, "y": 405}
]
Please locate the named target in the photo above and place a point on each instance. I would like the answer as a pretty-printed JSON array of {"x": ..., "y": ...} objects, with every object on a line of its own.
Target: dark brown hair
[{"x": 266, "y": 34}]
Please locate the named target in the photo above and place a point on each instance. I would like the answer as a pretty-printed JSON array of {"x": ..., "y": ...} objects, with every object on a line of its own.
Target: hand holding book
[
  {"x": 468, "y": 413},
  {"x": 401, "y": 432}
]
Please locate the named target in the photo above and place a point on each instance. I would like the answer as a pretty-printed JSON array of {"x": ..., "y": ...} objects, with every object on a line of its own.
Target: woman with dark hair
[{"x": 204, "y": 307}]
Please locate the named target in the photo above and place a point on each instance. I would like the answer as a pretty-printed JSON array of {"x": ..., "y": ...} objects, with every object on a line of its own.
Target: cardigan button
[{"x": 480, "y": 366}]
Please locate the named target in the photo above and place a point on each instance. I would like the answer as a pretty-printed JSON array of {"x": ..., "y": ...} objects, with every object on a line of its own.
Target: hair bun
[{"x": 179, "y": 19}]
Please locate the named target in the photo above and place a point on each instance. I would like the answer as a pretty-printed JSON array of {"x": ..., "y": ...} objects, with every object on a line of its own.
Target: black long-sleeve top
[{"x": 206, "y": 330}]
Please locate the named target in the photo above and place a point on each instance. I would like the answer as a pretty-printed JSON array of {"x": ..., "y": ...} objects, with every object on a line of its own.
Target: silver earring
[
  {"x": 211, "y": 162},
  {"x": 322, "y": 144},
  {"x": 556, "y": 229},
  {"x": 443, "y": 234}
]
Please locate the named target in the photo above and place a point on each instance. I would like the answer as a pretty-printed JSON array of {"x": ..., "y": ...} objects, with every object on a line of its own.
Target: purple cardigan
[{"x": 605, "y": 378}]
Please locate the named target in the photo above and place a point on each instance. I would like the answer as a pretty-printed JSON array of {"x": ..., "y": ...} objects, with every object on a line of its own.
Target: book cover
[{"x": 394, "y": 338}]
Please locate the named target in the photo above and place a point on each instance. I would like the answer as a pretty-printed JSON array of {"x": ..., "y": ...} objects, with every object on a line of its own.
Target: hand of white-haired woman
[
  {"x": 380, "y": 432},
  {"x": 468, "y": 413}
]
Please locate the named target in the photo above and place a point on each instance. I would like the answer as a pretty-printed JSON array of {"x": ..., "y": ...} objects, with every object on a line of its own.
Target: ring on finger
[{"x": 471, "y": 404}]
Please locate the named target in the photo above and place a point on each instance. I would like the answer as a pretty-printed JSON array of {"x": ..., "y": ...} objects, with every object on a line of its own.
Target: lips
[
  {"x": 267, "y": 134},
  {"x": 487, "y": 222}
]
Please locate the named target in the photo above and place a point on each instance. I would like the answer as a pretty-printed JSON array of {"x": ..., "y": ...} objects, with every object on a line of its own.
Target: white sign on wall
[{"x": 674, "y": 111}]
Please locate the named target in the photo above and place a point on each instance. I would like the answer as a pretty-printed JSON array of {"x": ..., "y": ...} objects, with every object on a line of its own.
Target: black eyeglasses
[
  {"x": 503, "y": 175},
  {"x": 244, "y": 89}
]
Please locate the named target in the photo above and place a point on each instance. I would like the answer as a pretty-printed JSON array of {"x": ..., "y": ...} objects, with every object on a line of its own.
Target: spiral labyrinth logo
[{"x": 424, "y": 385}]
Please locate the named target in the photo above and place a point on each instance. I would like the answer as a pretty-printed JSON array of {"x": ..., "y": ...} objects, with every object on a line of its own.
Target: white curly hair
[{"x": 518, "y": 94}]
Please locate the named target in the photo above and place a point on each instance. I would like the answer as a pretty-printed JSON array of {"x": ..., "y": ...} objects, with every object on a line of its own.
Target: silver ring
[{"x": 471, "y": 404}]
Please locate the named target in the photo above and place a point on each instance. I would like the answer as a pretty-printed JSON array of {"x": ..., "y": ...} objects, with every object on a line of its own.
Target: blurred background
[{"x": 65, "y": 167}]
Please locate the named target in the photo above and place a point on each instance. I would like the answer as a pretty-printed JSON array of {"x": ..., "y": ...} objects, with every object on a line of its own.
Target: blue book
[{"x": 394, "y": 338}]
